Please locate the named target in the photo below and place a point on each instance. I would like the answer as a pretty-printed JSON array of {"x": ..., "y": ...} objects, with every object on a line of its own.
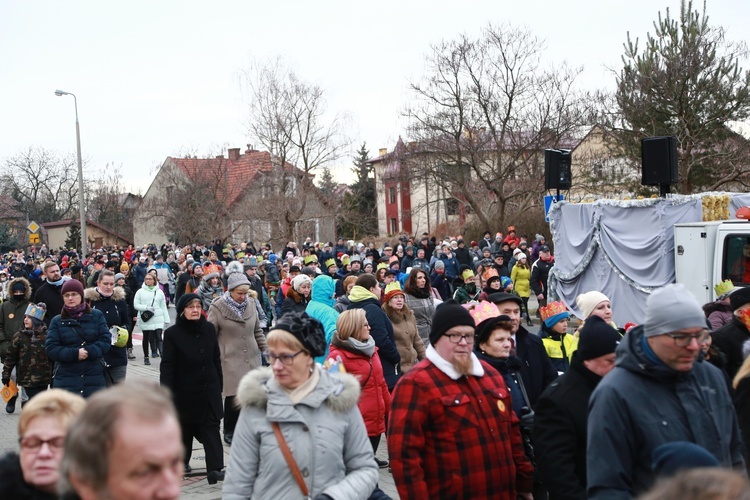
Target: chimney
[
  {"x": 234, "y": 154},
  {"x": 250, "y": 149},
  {"x": 219, "y": 157},
  {"x": 383, "y": 151}
]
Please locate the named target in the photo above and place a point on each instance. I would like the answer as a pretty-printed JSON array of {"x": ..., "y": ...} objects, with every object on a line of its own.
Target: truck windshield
[{"x": 737, "y": 260}]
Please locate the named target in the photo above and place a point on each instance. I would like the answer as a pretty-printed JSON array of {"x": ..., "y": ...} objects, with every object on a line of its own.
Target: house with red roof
[{"x": 244, "y": 196}]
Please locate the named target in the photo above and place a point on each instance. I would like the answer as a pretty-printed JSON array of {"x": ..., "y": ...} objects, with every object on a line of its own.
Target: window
[
  {"x": 451, "y": 206},
  {"x": 394, "y": 225},
  {"x": 597, "y": 169},
  {"x": 736, "y": 264},
  {"x": 391, "y": 195}
]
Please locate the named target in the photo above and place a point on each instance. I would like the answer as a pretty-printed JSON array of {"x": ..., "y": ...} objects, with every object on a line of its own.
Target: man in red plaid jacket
[{"x": 451, "y": 431}]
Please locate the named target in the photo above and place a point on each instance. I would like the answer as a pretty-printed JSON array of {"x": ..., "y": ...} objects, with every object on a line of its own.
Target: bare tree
[
  {"x": 287, "y": 116},
  {"x": 484, "y": 113},
  {"x": 41, "y": 185},
  {"x": 106, "y": 203}
]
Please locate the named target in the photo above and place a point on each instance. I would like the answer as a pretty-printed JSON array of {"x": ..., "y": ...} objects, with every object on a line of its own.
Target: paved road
[{"x": 195, "y": 485}]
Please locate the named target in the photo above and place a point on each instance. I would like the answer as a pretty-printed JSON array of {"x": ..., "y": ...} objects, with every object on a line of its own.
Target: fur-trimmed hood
[
  {"x": 91, "y": 295},
  {"x": 26, "y": 284},
  {"x": 340, "y": 392}
]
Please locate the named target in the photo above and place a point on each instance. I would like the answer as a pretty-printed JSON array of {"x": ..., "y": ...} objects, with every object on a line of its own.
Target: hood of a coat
[
  {"x": 360, "y": 294},
  {"x": 322, "y": 290},
  {"x": 26, "y": 285},
  {"x": 339, "y": 392},
  {"x": 631, "y": 356},
  {"x": 91, "y": 295}
]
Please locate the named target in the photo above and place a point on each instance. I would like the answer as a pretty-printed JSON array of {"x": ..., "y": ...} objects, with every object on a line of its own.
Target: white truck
[{"x": 627, "y": 249}]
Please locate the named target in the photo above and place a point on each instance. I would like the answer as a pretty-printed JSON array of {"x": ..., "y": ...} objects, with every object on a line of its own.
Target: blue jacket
[
  {"x": 451, "y": 265},
  {"x": 321, "y": 308},
  {"x": 641, "y": 404},
  {"x": 64, "y": 338},
  {"x": 139, "y": 272}
]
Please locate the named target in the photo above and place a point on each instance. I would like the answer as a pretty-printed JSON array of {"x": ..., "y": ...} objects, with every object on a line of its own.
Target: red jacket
[
  {"x": 456, "y": 439},
  {"x": 374, "y": 400}
]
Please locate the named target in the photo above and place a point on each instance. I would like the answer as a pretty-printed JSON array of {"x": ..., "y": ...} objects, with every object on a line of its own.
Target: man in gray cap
[{"x": 659, "y": 391}]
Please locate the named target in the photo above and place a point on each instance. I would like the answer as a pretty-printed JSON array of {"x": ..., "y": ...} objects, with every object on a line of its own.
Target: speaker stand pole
[
  {"x": 557, "y": 197},
  {"x": 663, "y": 190}
]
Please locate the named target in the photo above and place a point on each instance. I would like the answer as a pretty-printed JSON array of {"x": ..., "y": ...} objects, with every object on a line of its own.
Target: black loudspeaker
[
  {"x": 557, "y": 169},
  {"x": 659, "y": 161}
]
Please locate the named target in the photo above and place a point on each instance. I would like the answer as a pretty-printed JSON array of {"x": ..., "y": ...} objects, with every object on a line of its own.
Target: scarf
[
  {"x": 239, "y": 309},
  {"x": 104, "y": 294},
  {"x": 299, "y": 393},
  {"x": 421, "y": 293},
  {"x": 367, "y": 348},
  {"x": 77, "y": 311},
  {"x": 57, "y": 283}
]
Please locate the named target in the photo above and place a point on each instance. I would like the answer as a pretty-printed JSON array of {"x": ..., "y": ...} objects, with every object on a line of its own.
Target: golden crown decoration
[
  {"x": 467, "y": 274},
  {"x": 393, "y": 286},
  {"x": 484, "y": 310},
  {"x": 551, "y": 309},
  {"x": 724, "y": 288},
  {"x": 330, "y": 262},
  {"x": 490, "y": 273}
]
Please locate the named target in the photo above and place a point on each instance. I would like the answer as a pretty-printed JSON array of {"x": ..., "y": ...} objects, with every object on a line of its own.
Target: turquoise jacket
[{"x": 321, "y": 308}]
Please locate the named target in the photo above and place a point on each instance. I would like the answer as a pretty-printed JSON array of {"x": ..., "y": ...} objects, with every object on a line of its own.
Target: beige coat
[
  {"x": 408, "y": 342},
  {"x": 241, "y": 342}
]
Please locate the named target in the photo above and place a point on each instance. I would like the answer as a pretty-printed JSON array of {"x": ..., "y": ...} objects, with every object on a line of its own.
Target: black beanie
[
  {"x": 447, "y": 315},
  {"x": 184, "y": 300},
  {"x": 597, "y": 338},
  {"x": 739, "y": 297}
]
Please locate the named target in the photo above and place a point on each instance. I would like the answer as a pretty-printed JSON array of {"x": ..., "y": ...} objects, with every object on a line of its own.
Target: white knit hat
[
  {"x": 588, "y": 301},
  {"x": 299, "y": 280}
]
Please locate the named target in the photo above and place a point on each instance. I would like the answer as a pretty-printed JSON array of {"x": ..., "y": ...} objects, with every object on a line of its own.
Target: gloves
[
  {"x": 6, "y": 380},
  {"x": 526, "y": 417}
]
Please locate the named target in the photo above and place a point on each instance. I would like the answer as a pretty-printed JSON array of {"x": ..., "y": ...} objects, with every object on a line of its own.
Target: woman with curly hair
[{"x": 419, "y": 298}]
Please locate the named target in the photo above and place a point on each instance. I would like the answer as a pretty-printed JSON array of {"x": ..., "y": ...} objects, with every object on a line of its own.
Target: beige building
[
  {"x": 240, "y": 197},
  {"x": 98, "y": 235}
]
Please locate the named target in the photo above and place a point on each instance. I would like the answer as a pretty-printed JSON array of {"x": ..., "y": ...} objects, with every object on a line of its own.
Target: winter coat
[
  {"x": 463, "y": 256},
  {"x": 536, "y": 370},
  {"x": 342, "y": 303},
  {"x": 642, "y": 404},
  {"x": 321, "y": 308},
  {"x": 324, "y": 431},
  {"x": 455, "y": 439},
  {"x": 374, "y": 400},
  {"x": 560, "y": 423},
  {"x": 462, "y": 296},
  {"x": 191, "y": 369},
  {"x": 440, "y": 283},
  {"x": 381, "y": 329},
  {"x": 28, "y": 356},
  {"x": 293, "y": 302},
  {"x": 539, "y": 276},
  {"x": 241, "y": 341},
  {"x": 742, "y": 405},
  {"x": 50, "y": 294},
  {"x": 729, "y": 339},
  {"x": 139, "y": 273},
  {"x": 115, "y": 310},
  {"x": 11, "y": 315},
  {"x": 521, "y": 281},
  {"x": 719, "y": 313},
  {"x": 559, "y": 348},
  {"x": 509, "y": 368},
  {"x": 12, "y": 484},
  {"x": 65, "y": 337},
  {"x": 146, "y": 298},
  {"x": 423, "y": 309},
  {"x": 410, "y": 346}
]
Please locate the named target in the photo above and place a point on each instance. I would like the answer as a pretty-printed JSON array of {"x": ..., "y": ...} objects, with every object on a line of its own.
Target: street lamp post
[{"x": 84, "y": 241}]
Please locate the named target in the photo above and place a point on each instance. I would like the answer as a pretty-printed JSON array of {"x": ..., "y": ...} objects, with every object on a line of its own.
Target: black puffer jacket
[
  {"x": 115, "y": 310},
  {"x": 12, "y": 484}
]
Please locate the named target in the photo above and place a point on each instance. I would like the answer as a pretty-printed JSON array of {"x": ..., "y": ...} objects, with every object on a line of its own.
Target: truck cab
[{"x": 707, "y": 253}]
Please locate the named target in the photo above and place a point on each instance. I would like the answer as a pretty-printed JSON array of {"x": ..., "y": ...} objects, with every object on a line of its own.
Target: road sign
[
  {"x": 34, "y": 238},
  {"x": 548, "y": 201},
  {"x": 33, "y": 227}
]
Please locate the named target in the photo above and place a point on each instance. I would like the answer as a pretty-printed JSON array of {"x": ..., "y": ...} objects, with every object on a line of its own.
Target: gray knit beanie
[
  {"x": 671, "y": 309},
  {"x": 236, "y": 279}
]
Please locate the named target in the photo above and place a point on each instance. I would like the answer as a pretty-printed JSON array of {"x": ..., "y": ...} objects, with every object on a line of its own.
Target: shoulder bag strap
[{"x": 293, "y": 467}]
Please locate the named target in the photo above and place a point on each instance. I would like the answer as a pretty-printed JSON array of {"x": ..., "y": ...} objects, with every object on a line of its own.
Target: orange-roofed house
[{"x": 244, "y": 196}]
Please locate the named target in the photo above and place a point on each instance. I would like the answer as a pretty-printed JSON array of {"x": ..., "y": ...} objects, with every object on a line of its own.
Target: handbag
[
  {"x": 9, "y": 391},
  {"x": 293, "y": 467},
  {"x": 147, "y": 315}
]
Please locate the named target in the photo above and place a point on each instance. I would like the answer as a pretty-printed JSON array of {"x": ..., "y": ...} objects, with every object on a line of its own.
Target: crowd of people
[{"x": 302, "y": 360}]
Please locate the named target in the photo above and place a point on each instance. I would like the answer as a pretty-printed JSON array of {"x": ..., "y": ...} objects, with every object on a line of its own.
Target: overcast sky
[{"x": 160, "y": 78}]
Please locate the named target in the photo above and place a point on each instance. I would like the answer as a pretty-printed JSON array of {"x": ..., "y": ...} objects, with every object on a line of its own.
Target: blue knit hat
[{"x": 552, "y": 320}]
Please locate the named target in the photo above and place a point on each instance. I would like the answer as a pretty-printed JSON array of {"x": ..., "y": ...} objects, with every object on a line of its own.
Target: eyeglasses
[
  {"x": 456, "y": 338},
  {"x": 684, "y": 340},
  {"x": 35, "y": 444},
  {"x": 286, "y": 359}
]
